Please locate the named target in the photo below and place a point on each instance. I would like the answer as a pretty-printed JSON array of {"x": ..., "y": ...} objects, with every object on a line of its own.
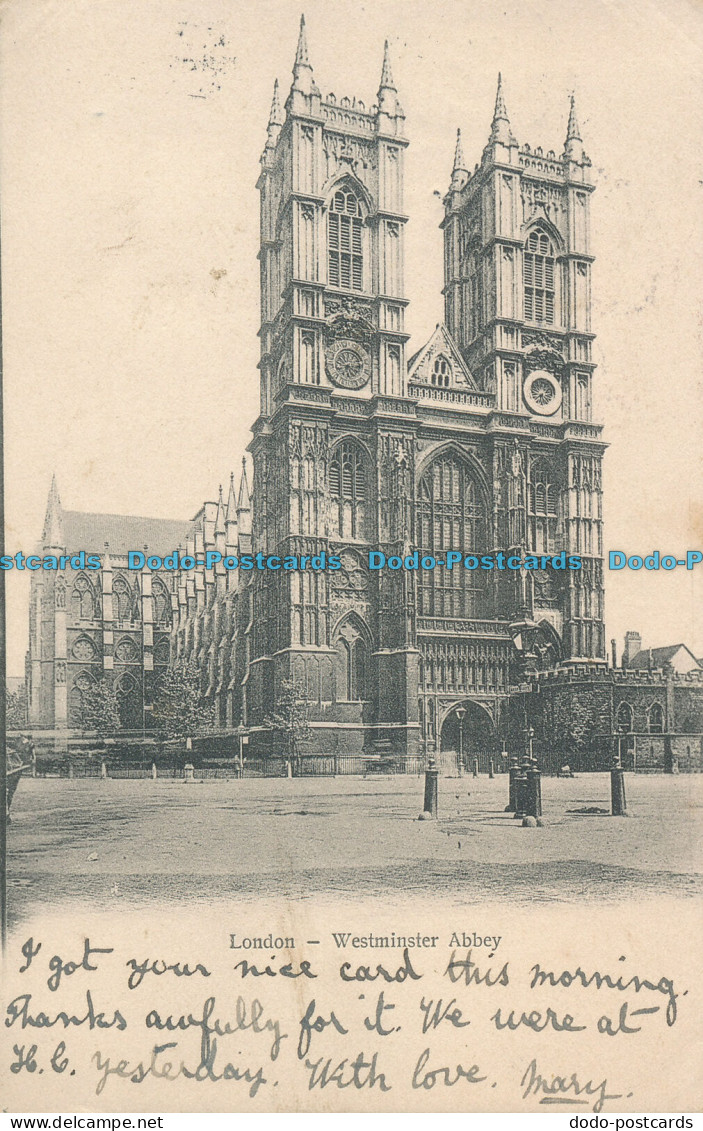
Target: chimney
[
  {"x": 633, "y": 645},
  {"x": 614, "y": 653}
]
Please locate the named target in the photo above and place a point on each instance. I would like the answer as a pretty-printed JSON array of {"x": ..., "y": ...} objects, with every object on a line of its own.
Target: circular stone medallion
[{"x": 542, "y": 392}]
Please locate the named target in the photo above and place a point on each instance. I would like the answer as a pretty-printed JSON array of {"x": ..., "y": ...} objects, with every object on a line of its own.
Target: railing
[
  {"x": 452, "y": 396},
  {"x": 464, "y": 627}
]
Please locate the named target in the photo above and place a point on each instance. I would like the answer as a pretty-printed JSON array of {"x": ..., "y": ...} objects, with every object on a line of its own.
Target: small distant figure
[{"x": 565, "y": 772}]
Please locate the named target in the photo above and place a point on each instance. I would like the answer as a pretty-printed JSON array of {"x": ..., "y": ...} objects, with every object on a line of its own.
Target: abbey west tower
[{"x": 481, "y": 442}]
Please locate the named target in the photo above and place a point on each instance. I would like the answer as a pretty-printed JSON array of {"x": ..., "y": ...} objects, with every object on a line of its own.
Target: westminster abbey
[{"x": 482, "y": 441}]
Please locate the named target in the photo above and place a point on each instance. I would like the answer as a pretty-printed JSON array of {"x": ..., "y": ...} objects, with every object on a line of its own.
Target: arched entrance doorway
[{"x": 469, "y": 732}]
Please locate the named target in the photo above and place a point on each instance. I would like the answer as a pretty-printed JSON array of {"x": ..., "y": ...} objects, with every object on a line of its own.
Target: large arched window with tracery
[
  {"x": 162, "y": 603},
  {"x": 450, "y": 516},
  {"x": 129, "y": 699},
  {"x": 84, "y": 605},
  {"x": 539, "y": 276},
  {"x": 122, "y": 599},
  {"x": 542, "y": 507},
  {"x": 348, "y": 490},
  {"x": 352, "y": 663},
  {"x": 345, "y": 257}
]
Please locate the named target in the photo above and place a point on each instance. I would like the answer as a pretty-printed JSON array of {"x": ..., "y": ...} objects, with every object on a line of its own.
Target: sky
[{"x": 130, "y": 137}]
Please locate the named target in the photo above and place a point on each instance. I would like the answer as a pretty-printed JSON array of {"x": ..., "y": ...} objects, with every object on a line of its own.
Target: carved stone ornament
[
  {"x": 542, "y": 392},
  {"x": 348, "y": 364}
]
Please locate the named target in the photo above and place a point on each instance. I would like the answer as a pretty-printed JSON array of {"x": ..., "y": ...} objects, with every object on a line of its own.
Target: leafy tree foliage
[
  {"x": 289, "y": 722},
  {"x": 179, "y": 708},
  {"x": 100, "y": 708}
]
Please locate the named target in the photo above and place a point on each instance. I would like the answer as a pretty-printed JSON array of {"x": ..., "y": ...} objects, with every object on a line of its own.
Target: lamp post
[
  {"x": 431, "y": 779},
  {"x": 460, "y": 713}
]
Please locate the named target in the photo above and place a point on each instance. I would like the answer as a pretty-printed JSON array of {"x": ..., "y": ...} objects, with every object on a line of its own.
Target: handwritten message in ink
[{"x": 422, "y": 1017}]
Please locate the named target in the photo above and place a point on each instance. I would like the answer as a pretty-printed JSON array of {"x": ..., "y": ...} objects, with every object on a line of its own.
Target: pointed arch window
[
  {"x": 129, "y": 701},
  {"x": 542, "y": 508},
  {"x": 352, "y": 664},
  {"x": 83, "y": 599},
  {"x": 450, "y": 514},
  {"x": 345, "y": 258},
  {"x": 624, "y": 718},
  {"x": 121, "y": 599},
  {"x": 655, "y": 719},
  {"x": 348, "y": 490},
  {"x": 162, "y": 603},
  {"x": 539, "y": 277},
  {"x": 441, "y": 372}
]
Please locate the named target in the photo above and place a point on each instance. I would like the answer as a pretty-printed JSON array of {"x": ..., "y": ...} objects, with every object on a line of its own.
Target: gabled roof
[
  {"x": 658, "y": 657},
  {"x": 441, "y": 342},
  {"x": 86, "y": 531}
]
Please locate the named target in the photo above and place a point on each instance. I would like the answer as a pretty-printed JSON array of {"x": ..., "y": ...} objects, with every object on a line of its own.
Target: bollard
[
  {"x": 70, "y": 769},
  {"x": 103, "y": 770},
  {"x": 153, "y": 771},
  {"x": 534, "y": 792},
  {"x": 521, "y": 786},
  {"x": 431, "y": 788},
  {"x": 491, "y": 772},
  {"x": 189, "y": 771},
  {"x": 617, "y": 790},
  {"x": 474, "y": 767},
  {"x": 512, "y": 775}
]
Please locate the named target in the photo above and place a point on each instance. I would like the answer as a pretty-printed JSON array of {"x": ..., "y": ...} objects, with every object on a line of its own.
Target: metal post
[
  {"x": 521, "y": 790},
  {"x": 512, "y": 777},
  {"x": 534, "y": 792},
  {"x": 431, "y": 788},
  {"x": 618, "y": 804},
  {"x": 475, "y": 767},
  {"x": 491, "y": 773}
]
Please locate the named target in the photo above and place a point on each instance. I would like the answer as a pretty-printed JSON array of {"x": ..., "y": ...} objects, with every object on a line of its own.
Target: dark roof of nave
[{"x": 85, "y": 531}]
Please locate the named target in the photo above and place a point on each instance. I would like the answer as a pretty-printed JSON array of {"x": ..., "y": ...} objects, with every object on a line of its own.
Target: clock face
[
  {"x": 542, "y": 392},
  {"x": 348, "y": 364}
]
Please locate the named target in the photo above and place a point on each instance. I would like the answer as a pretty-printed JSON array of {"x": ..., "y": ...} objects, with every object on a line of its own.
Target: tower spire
[
  {"x": 302, "y": 59},
  {"x": 460, "y": 172},
  {"x": 220, "y": 518},
  {"x": 388, "y": 104},
  {"x": 244, "y": 504},
  {"x": 500, "y": 126},
  {"x": 387, "y": 82},
  {"x": 573, "y": 147},
  {"x": 53, "y": 524},
  {"x": 244, "y": 501},
  {"x": 302, "y": 68},
  {"x": 276, "y": 115},
  {"x": 275, "y": 119}
]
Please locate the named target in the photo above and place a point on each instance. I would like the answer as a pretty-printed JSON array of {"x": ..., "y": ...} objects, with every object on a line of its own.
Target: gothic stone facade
[
  {"x": 482, "y": 442},
  {"x": 86, "y": 625}
]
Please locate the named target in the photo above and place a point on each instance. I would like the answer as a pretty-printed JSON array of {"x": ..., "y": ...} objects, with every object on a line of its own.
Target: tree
[
  {"x": 289, "y": 722},
  {"x": 100, "y": 708},
  {"x": 16, "y": 709},
  {"x": 179, "y": 708}
]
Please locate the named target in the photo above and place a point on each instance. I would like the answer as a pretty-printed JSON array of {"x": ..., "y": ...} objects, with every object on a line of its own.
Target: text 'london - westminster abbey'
[{"x": 481, "y": 441}]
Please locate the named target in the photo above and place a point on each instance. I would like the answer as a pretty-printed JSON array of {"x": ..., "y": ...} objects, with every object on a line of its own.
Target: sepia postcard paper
[{"x": 353, "y": 556}]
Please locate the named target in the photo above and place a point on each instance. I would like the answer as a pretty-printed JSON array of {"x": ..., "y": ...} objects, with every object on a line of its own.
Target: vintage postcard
[{"x": 353, "y": 557}]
